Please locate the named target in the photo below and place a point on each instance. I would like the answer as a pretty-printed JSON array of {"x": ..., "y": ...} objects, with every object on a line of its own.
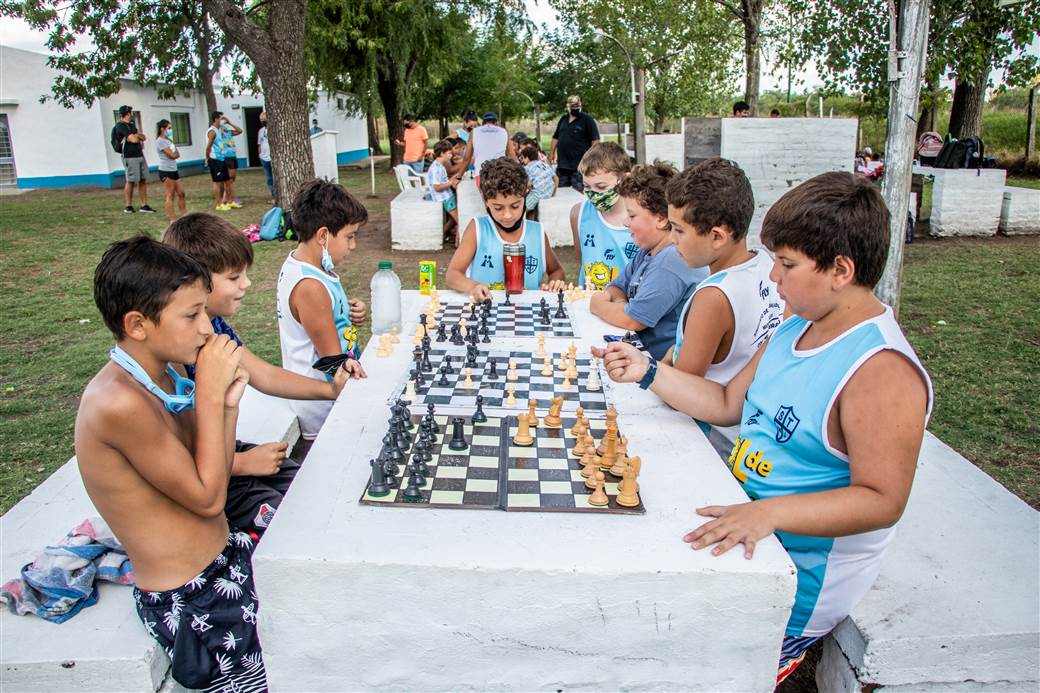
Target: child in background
[
  {"x": 477, "y": 267},
  {"x": 598, "y": 223},
  {"x": 543, "y": 180},
  {"x": 648, "y": 294},
  {"x": 454, "y": 166},
  {"x": 168, "y": 174},
  {"x": 315, "y": 317},
  {"x": 261, "y": 474},
  {"x": 442, "y": 189},
  {"x": 832, "y": 408},
  {"x": 156, "y": 450}
]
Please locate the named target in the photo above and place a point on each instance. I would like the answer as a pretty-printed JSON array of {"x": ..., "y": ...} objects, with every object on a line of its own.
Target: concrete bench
[
  {"x": 965, "y": 202},
  {"x": 555, "y": 216},
  {"x": 415, "y": 223},
  {"x": 104, "y": 647},
  {"x": 1020, "y": 213},
  {"x": 955, "y": 607}
]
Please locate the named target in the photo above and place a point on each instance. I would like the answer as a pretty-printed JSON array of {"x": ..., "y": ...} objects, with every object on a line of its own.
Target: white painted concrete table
[
  {"x": 363, "y": 598},
  {"x": 965, "y": 202}
]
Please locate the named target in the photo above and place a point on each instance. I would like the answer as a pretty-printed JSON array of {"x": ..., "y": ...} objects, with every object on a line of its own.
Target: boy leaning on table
[
  {"x": 832, "y": 408},
  {"x": 156, "y": 450}
]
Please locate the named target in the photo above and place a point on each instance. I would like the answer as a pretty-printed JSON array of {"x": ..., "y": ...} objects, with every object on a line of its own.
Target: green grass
[
  {"x": 1033, "y": 183},
  {"x": 53, "y": 341}
]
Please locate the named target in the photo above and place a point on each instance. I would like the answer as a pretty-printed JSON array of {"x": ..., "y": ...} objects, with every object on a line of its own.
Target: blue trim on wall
[
  {"x": 352, "y": 155},
  {"x": 89, "y": 180}
]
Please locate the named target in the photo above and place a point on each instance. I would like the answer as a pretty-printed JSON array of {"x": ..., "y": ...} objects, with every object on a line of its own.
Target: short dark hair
[
  {"x": 647, "y": 185},
  {"x": 833, "y": 214},
  {"x": 502, "y": 177},
  {"x": 469, "y": 115},
  {"x": 715, "y": 192},
  {"x": 214, "y": 115},
  {"x": 741, "y": 106},
  {"x": 141, "y": 274},
  {"x": 407, "y": 116},
  {"x": 211, "y": 240},
  {"x": 529, "y": 152},
  {"x": 445, "y": 145},
  {"x": 321, "y": 203},
  {"x": 124, "y": 111},
  {"x": 775, "y": 111}
]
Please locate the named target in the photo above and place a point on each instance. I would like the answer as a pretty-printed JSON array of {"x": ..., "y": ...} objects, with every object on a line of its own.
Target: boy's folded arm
[
  {"x": 709, "y": 319},
  {"x": 614, "y": 313},
  {"x": 278, "y": 382},
  {"x": 196, "y": 481}
]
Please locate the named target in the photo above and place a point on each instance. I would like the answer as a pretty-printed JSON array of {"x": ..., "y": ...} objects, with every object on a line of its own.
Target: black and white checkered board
[
  {"x": 494, "y": 473},
  {"x": 514, "y": 320},
  {"x": 530, "y": 383}
]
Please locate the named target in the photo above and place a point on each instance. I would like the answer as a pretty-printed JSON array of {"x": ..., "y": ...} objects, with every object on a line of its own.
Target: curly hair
[
  {"x": 646, "y": 185},
  {"x": 502, "y": 177}
]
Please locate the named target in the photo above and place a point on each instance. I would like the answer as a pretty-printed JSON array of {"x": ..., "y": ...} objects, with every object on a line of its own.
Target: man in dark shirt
[
  {"x": 575, "y": 134},
  {"x": 129, "y": 143}
]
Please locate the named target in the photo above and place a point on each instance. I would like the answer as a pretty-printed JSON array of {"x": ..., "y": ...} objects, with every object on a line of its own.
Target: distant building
[{"x": 45, "y": 145}]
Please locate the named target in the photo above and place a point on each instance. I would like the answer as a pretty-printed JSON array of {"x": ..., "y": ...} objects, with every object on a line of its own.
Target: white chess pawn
[
  {"x": 394, "y": 339},
  {"x": 468, "y": 382},
  {"x": 511, "y": 375},
  {"x": 541, "y": 346},
  {"x": 409, "y": 392},
  {"x": 547, "y": 366},
  {"x": 511, "y": 400}
]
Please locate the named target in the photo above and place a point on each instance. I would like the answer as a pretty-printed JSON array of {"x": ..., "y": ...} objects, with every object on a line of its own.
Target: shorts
[
  {"x": 253, "y": 500},
  {"x": 169, "y": 175},
  {"x": 136, "y": 170},
  {"x": 218, "y": 171},
  {"x": 792, "y": 653},
  {"x": 208, "y": 626},
  {"x": 450, "y": 204},
  {"x": 231, "y": 163}
]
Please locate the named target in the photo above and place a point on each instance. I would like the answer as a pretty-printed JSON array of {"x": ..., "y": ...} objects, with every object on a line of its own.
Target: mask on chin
[
  {"x": 507, "y": 229},
  {"x": 602, "y": 201}
]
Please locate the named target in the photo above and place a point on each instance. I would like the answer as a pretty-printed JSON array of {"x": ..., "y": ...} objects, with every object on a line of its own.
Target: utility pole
[
  {"x": 640, "y": 116},
  {"x": 1031, "y": 123},
  {"x": 908, "y": 35}
]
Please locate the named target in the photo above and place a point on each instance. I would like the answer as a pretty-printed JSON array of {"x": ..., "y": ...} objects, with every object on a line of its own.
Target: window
[
  {"x": 136, "y": 118},
  {"x": 7, "y": 171},
  {"x": 181, "y": 129}
]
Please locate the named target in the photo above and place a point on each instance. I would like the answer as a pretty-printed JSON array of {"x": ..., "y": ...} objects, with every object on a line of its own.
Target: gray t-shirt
[
  {"x": 657, "y": 287},
  {"x": 165, "y": 162}
]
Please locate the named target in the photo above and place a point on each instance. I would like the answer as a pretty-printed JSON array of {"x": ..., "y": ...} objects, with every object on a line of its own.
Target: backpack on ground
[
  {"x": 276, "y": 224},
  {"x": 928, "y": 147},
  {"x": 967, "y": 152}
]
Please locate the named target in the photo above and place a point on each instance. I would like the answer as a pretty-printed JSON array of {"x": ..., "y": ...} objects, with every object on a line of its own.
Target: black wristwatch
[{"x": 651, "y": 373}]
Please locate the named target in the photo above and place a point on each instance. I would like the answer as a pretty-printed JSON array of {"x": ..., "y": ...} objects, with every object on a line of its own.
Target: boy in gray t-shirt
[{"x": 651, "y": 290}]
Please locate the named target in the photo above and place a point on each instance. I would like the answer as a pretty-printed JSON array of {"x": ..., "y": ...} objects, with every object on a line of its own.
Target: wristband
[{"x": 651, "y": 373}]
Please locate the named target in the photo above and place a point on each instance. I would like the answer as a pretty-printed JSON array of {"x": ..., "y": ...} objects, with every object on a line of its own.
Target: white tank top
[
  {"x": 757, "y": 311},
  {"x": 489, "y": 142}
]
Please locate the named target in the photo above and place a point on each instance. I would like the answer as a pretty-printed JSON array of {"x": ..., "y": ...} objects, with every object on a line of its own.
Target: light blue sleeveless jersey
[
  {"x": 345, "y": 330},
  {"x": 605, "y": 249},
  {"x": 487, "y": 267},
  {"x": 783, "y": 450}
]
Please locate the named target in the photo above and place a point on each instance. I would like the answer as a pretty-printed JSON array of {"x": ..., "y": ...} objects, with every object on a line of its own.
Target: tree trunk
[
  {"x": 929, "y": 105},
  {"x": 442, "y": 124},
  {"x": 204, "y": 46},
  {"x": 277, "y": 52},
  {"x": 752, "y": 20},
  {"x": 1031, "y": 124},
  {"x": 966, "y": 112},
  {"x": 387, "y": 89},
  {"x": 373, "y": 134}
]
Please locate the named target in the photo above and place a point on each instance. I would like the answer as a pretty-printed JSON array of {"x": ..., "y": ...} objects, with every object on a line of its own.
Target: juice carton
[{"x": 427, "y": 276}]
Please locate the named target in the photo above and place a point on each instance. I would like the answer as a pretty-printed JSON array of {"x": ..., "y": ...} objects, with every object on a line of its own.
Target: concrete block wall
[
  {"x": 1020, "y": 212},
  {"x": 965, "y": 202},
  {"x": 415, "y": 223}
]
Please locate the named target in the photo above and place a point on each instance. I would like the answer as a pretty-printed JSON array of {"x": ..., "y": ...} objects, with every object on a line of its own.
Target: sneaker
[
  {"x": 234, "y": 204},
  {"x": 147, "y": 210},
  {"x": 223, "y": 207},
  {"x": 128, "y": 210}
]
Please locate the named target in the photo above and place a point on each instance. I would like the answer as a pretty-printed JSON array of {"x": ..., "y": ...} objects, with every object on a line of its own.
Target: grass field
[{"x": 969, "y": 307}]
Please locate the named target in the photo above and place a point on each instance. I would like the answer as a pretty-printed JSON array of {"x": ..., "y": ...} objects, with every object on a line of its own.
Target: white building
[{"x": 44, "y": 145}]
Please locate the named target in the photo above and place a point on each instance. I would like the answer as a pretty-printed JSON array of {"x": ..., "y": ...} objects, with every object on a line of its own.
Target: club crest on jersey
[
  {"x": 531, "y": 264},
  {"x": 631, "y": 249},
  {"x": 786, "y": 423},
  {"x": 487, "y": 262}
]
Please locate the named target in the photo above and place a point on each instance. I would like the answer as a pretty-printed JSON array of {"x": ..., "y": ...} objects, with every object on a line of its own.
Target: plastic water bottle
[{"x": 386, "y": 299}]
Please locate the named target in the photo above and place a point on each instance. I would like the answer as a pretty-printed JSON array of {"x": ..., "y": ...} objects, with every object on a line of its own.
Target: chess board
[
  {"x": 514, "y": 320},
  {"x": 530, "y": 384},
  {"x": 495, "y": 474}
]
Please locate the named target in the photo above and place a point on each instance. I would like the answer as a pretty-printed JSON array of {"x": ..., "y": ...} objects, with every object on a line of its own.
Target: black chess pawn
[
  {"x": 479, "y": 416},
  {"x": 471, "y": 356},
  {"x": 486, "y": 305},
  {"x": 431, "y": 412},
  {"x": 485, "y": 334},
  {"x": 473, "y": 312},
  {"x": 442, "y": 335},
  {"x": 393, "y": 450},
  {"x": 458, "y": 437},
  {"x": 447, "y": 364},
  {"x": 403, "y": 440},
  {"x": 546, "y": 320},
  {"x": 422, "y": 456},
  {"x": 425, "y": 364},
  {"x": 427, "y": 428},
  {"x": 412, "y": 494},
  {"x": 417, "y": 476},
  {"x": 377, "y": 486},
  {"x": 507, "y": 301},
  {"x": 443, "y": 382},
  {"x": 493, "y": 372},
  {"x": 456, "y": 335}
]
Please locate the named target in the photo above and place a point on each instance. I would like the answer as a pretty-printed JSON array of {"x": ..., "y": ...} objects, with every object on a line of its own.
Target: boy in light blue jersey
[
  {"x": 477, "y": 266},
  {"x": 832, "y": 408},
  {"x": 598, "y": 224}
]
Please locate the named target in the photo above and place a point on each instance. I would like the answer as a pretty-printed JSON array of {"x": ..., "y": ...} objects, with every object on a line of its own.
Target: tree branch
[{"x": 732, "y": 8}]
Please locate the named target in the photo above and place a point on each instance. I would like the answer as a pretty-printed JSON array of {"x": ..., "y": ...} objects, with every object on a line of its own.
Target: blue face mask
[
  {"x": 175, "y": 404},
  {"x": 326, "y": 260}
]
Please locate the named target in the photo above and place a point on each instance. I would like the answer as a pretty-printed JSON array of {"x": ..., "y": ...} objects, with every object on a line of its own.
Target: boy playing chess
[
  {"x": 477, "y": 266},
  {"x": 648, "y": 294},
  {"x": 598, "y": 223},
  {"x": 315, "y": 317},
  {"x": 156, "y": 451},
  {"x": 262, "y": 473},
  {"x": 832, "y": 408}
]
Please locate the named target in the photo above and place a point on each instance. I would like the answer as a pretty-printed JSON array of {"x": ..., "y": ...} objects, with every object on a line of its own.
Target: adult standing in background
[
  {"x": 214, "y": 160},
  {"x": 469, "y": 124},
  {"x": 168, "y": 174},
  {"x": 575, "y": 134},
  {"x": 414, "y": 143},
  {"x": 264, "y": 148},
  {"x": 130, "y": 144},
  {"x": 489, "y": 141}
]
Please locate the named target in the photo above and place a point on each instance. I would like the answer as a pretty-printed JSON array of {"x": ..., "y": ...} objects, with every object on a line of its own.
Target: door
[
  {"x": 8, "y": 176},
  {"x": 252, "y": 118}
]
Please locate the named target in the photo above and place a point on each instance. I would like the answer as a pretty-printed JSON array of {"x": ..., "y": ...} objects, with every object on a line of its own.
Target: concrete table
[
  {"x": 965, "y": 201},
  {"x": 363, "y": 598}
]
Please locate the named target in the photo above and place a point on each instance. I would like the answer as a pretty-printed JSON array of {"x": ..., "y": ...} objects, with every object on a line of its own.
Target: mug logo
[{"x": 786, "y": 423}]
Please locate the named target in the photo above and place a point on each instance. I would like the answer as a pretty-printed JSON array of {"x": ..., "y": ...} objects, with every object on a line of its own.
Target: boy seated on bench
[
  {"x": 156, "y": 450},
  {"x": 832, "y": 408}
]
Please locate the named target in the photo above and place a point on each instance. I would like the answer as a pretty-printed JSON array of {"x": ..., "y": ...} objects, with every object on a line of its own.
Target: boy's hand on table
[
  {"x": 352, "y": 368},
  {"x": 554, "y": 285},
  {"x": 217, "y": 370},
  {"x": 358, "y": 310},
  {"x": 339, "y": 380},
  {"x": 744, "y": 523},
  {"x": 263, "y": 460},
  {"x": 480, "y": 292},
  {"x": 623, "y": 362}
]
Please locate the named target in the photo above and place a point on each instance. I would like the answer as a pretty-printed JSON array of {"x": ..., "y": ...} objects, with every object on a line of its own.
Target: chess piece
[
  {"x": 442, "y": 335},
  {"x": 409, "y": 392},
  {"x": 580, "y": 415},
  {"x": 552, "y": 419},
  {"x": 511, "y": 400},
  {"x": 485, "y": 333},
  {"x": 447, "y": 365},
  {"x": 394, "y": 339},
  {"x": 621, "y": 460},
  {"x": 412, "y": 494},
  {"x": 579, "y": 445},
  {"x": 425, "y": 366},
  {"x": 628, "y": 489},
  {"x": 599, "y": 496},
  {"x": 541, "y": 346},
  {"x": 607, "y": 450},
  {"x": 458, "y": 437},
  {"x": 512, "y": 374},
  {"x": 434, "y": 426},
  {"x": 547, "y": 370},
  {"x": 468, "y": 382},
  {"x": 479, "y": 416},
  {"x": 566, "y": 385},
  {"x": 507, "y": 301},
  {"x": 471, "y": 356},
  {"x": 493, "y": 373},
  {"x": 560, "y": 312},
  {"x": 562, "y": 364},
  {"x": 611, "y": 421},
  {"x": 462, "y": 328},
  {"x": 443, "y": 382},
  {"x": 416, "y": 476},
  {"x": 523, "y": 435},
  {"x": 384, "y": 349},
  {"x": 589, "y": 466},
  {"x": 593, "y": 384},
  {"x": 532, "y": 418},
  {"x": 377, "y": 487},
  {"x": 545, "y": 319}
]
